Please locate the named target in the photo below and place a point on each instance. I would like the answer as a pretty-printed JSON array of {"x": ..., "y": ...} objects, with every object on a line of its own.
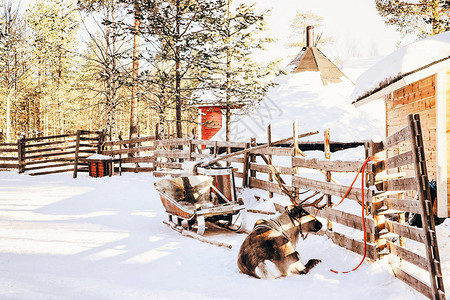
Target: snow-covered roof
[
  {"x": 401, "y": 63},
  {"x": 302, "y": 96}
]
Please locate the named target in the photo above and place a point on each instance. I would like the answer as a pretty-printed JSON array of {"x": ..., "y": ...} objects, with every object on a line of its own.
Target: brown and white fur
[{"x": 269, "y": 251}]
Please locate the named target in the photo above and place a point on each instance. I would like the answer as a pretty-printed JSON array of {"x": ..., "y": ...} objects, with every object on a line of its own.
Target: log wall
[{"x": 418, "y": 97}]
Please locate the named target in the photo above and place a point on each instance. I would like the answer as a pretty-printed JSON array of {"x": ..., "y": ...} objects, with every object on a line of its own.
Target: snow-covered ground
[{"x": 103, "y": 238}]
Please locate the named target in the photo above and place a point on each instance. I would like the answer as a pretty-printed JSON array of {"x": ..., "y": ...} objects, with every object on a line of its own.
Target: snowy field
[{"x": 103, "y": 238}]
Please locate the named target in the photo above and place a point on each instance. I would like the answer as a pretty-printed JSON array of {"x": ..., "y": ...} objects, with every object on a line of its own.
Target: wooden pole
[
  {"x": 296, "y": 152},
  {"x": 252, "y": 158},
  {"x": 327, "y": 154},
  {"x": 77, "y": 151},
  {"x": 269, "y": 142},
  {"x": 256, "y": 148},
  {"x": 21, "y": 154},
  {"x": 246, "y": 166}
]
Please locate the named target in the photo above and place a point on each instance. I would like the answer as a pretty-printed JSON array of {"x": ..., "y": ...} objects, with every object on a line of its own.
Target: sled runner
[{"x": 190, "y": 201}]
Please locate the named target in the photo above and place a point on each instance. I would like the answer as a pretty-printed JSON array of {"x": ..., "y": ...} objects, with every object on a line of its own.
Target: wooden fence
[
  {"x": 281, "y": 170},
  {"x": 56, "y": 154},
  {"x": 9, "y": 156},
  {"x": 393, "y": 197},
  {"x": 384, "y": 193}
]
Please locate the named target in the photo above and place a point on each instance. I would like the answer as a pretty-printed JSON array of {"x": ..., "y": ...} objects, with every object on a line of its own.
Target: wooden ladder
[{"x": 431, "y": 246}]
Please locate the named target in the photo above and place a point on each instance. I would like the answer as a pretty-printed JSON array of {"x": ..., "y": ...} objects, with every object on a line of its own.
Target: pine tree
[
  {"x": 421, "y": 18},
  {"x": 238, "y": 81},
  {"x": 175, "y": 39}
]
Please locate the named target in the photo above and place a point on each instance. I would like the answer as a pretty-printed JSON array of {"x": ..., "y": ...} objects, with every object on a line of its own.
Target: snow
[
  {"x": 302, "y": 96},
  {"x": 403, "y": 61},
  {"x": 91, "y": 238},
  {"x": 99, "y": 157}
]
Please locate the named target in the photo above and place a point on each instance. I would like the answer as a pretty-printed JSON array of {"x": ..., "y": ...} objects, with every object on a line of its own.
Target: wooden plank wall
[{"x": 418, "y": 97}]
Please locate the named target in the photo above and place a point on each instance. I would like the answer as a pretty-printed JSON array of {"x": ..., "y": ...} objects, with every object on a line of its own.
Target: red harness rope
[{"x": 361, "y": 171}]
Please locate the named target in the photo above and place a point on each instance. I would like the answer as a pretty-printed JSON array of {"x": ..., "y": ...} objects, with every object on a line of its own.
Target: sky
[{"x": 355, "y": 25}]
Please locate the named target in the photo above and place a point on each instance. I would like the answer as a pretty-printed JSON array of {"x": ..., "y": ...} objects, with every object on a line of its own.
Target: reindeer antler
[{"x": 315, "y": 203}]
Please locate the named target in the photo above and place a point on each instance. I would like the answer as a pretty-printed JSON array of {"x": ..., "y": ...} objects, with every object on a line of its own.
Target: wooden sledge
[{"x": 190, "y": 201}]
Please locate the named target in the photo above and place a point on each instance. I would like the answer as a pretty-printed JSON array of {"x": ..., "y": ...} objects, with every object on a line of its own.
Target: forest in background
[
  {"x": 127, "y": 66},
  {"x": 140, "y": 66}
]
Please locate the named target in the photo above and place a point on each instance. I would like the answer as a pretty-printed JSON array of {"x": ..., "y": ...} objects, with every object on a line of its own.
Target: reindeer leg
[{"x": 309, "y": 265}]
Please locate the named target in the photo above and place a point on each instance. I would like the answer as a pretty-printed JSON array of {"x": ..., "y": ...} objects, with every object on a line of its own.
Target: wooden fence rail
[
  {"x": 396, "y": 196},
  {"x": 9, "y": 156},
  {"x": 58, "y": 153}
]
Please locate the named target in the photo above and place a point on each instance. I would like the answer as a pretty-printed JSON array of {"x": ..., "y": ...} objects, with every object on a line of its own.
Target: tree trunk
[
  {"x": 8, "y": 117},
  {"x": 228, "y": 77},
  {"x": 135, "y": 70},
  {"x": 178, "y": 74}
]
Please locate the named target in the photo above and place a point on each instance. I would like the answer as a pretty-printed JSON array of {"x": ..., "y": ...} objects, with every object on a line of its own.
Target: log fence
[
  {"x": 58, "y": 153},
  {"x": 9, "y": 156}
]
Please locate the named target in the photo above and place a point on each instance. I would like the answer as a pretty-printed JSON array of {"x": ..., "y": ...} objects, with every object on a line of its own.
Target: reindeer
[{"x": 269, "y": 251}]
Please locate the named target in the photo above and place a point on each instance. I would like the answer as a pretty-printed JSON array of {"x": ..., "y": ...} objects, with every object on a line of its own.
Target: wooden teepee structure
[{"x": 313, "y": 60}]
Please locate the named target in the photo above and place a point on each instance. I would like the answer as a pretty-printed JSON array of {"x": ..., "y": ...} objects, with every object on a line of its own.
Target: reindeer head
[{"x": 308, "y": 223}]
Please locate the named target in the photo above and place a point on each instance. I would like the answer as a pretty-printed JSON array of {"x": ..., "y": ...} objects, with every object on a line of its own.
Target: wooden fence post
[
  {"x": 77, "y": 151},
  {"x": 252, "y": 158},
  {"x": 296, "y": 152},
  {"x": 269, "y": 142},
  {"x": 21, "y": 153},
  {"x": 101, "y": 140},
  {"x": 245, "y": 180},
  {"x": 327, "y": 154},
  {"x": 371, "y": 149}
]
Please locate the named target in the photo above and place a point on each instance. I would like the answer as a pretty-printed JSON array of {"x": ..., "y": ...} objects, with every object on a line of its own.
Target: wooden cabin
[{"x": 416, "y": 79}]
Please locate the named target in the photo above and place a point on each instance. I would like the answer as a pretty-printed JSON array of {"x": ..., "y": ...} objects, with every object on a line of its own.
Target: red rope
[{"x": 361, "y": 170}]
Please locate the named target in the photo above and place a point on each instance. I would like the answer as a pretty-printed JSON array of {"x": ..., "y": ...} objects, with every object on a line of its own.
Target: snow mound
[
  {"x": 402, "y": 62},
  {"x": 302, "y": 96}
]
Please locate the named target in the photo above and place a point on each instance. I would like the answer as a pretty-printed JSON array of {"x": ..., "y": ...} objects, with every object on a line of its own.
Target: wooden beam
[
  {"x": 331, "y": 188},
  {"x": 398, "y": 137},
  {"x": 172, "y": 153},
  {"x": 252, "y": 149},
  {"x": 408, "y": 255},
  {"x": 402, "y": 184},
  {"x": 266, "y": 169},
  {"x": 327, "y": 165},
  {"x": 412, "y": 206},
  {"x": 412, "y": 233},
  {"x": 413, "y": 282},
  {"x": 267, "y": 186},
  {"x": 344, "y": 218},
  {"x": 351, "y": 244},
  {"x": 128, "y": 150}
]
